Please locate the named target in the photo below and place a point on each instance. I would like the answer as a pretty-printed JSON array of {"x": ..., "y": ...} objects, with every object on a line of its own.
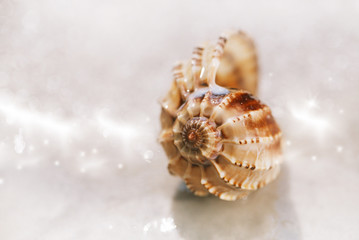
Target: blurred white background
[{"x": 79, "y": 118}]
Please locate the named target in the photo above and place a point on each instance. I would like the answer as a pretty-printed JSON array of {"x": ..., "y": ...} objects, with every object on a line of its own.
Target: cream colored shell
[{"x": 218, "y": 137}]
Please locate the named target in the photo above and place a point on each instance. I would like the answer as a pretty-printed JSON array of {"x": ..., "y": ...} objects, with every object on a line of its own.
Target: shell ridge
[
  {"x": 245, "y": 178},
  {"x": 254, "y": 115},
  {"x": 192, "y": 178},
  {"x": 220, "y": 188}
]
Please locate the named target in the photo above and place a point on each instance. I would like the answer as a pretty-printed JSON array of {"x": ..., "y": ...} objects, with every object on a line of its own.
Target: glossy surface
[{"x": 79, "y": 90}]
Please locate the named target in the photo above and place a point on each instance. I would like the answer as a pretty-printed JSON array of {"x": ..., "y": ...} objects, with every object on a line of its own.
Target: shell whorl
[
  {"x": 198, "y": 140},
  {"x": 219, "y": 140}
]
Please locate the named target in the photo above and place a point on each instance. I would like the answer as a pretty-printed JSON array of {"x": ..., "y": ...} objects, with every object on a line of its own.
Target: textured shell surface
[{"x": 219, "y": 138}]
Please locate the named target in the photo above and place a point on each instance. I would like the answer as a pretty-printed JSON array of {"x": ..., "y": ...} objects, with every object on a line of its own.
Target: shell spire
[{"x": 218, "y": 137}]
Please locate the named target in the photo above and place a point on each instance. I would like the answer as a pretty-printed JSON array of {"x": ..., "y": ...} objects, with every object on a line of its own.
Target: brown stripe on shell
[
  {"x": 254, "y": 140},
  {"x": 236, "y": 104},
  {"x": 197, "y": 66},
  {"x": 262, "y": 155},
  {"x": 257, "y": 123},
  {"x": 244, "y": 178},
  {"x": 219, "y": 49},
  {"x": 244, "y": 101},
  {"x": 254, "y": 115},
  {"x": 241, "y": 100},
  {"x": 198, "y": 50}
]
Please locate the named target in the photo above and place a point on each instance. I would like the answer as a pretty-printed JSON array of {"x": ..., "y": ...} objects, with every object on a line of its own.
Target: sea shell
[{"x": 218, "y": 137}]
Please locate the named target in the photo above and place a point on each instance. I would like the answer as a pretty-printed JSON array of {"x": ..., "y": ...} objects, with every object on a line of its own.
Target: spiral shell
[{"x": 218, "y": 137}]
